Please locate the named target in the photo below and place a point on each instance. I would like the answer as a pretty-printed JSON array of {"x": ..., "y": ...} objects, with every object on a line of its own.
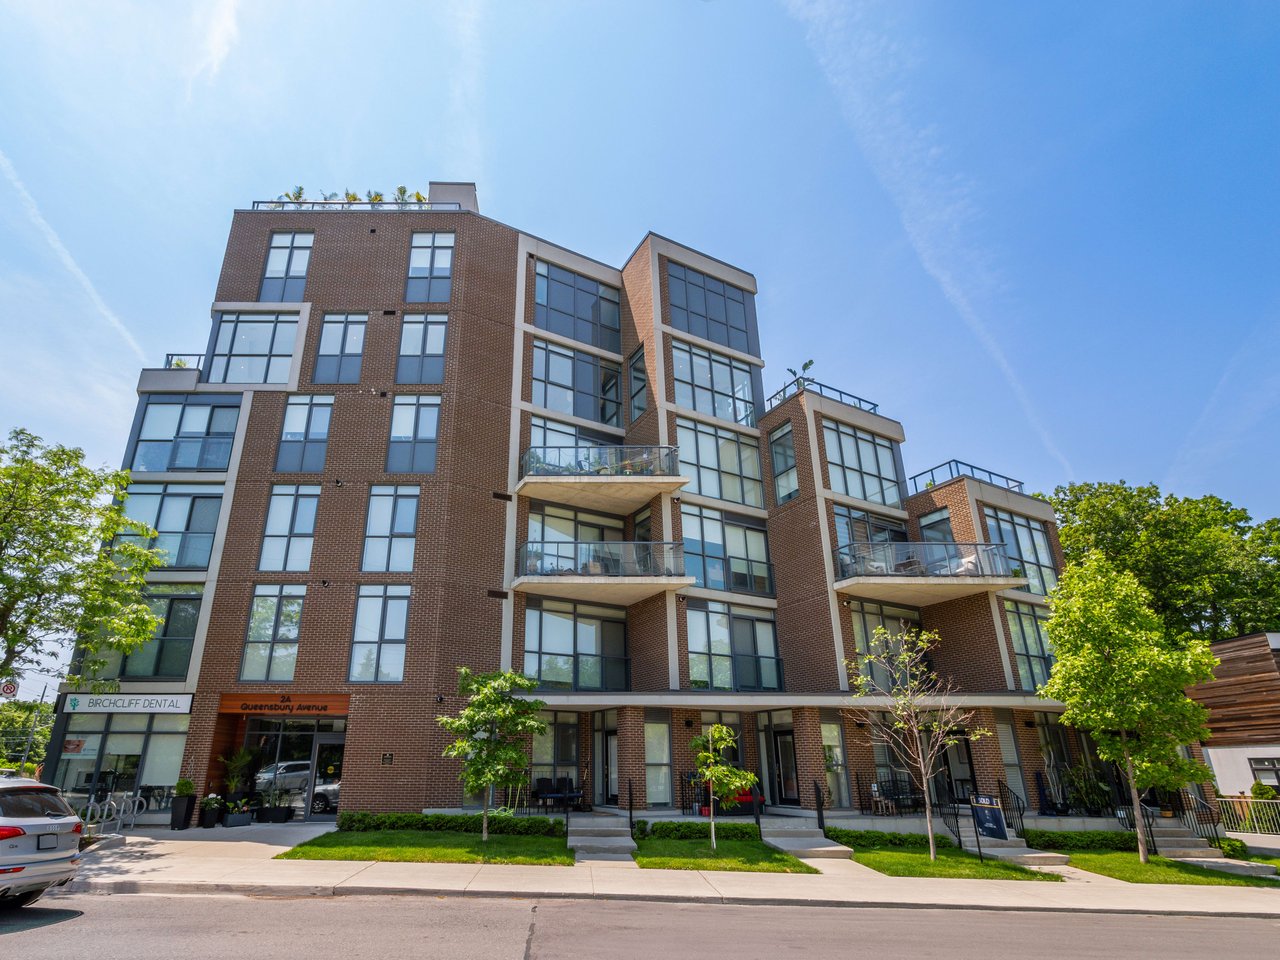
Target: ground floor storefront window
[
  {"x": 104, "y": 755},
  {"x": 298, "y": 764}
]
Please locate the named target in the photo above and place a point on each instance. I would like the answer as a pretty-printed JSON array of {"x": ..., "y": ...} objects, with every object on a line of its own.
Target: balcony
[
  {"x": 801, "y": 384},
  {"x": 583, "y": 671},
  {"x": 918, "y": 574},
  {"x": 614, "y": 572},
  {"x": 739, "y": 673},
  {"x": 958, "y": 468},
  {"x": 614, "y": 480}
]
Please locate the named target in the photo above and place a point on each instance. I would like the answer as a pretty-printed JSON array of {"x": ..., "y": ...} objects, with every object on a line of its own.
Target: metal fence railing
[
  {"x": 923, "y": 560},
  {"x": 1247, "y": 815}
]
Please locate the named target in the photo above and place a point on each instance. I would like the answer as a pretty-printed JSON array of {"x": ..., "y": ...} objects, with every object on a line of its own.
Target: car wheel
[
  {"x": 320, "y": 804},
  {"x": 21, "y": 900}
]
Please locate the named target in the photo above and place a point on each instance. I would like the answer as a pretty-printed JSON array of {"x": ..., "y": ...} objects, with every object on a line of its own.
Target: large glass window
[
  {"x": 184, "y": 516},
  {"x": 341, "y": 348},
  {"x": 555, "y": 752},
  {"x": 377, "y": 649},
  {"x": 638, "y": 386},
  {"x": 136, "y": 754},
  {"x": 711, "y": 384},
  {"x": 576, "y": 383},
  {"x": 856, "y": 530},
  {"x": 421, "y": 357},
  {"x": 560, "y": 541},
  {"x": 415, "y": 425},
  {"x": 577, "y": 307},
  {"x": 544, "y": 433},
  {"x": 186, "y": 433},
  {"x": 861, "y": 464},
  {"x": 390, "y": 530},
  {"x": 723, "y": 463},
  {"x": 657, "y": 759},
  {"x": 782, "y": 451},
  {"x": 291, "y": 527},
  {"x": 285, "y": 273},
  {"x": 1031, "y": 644},
  {"x": 732, "y": 648},
  {"x": 725, "y": 554},
  {"x": 167, "y": 654},
  {"x": 304, "y": 440},
  {"x": 430, "y": 268},
  {"x": 575, "y": 646},
  {"x": 1027, "y": 545},
  {"x": 271, "y": 646},
  {"x": 866, "y": 617},
  {"x": 253, "y": 348},
  {"x": 708, "y": 308}
]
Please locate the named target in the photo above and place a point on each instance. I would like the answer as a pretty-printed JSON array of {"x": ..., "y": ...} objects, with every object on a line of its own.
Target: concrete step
[
  {"x": 797, "y": 834},
  {"x": 1025, "y": 856},
  {"x": 1176, "y": 852},
  {"x": 1241, "y": 867},
  {"x": 1171, "y": 832},
  {"x": 969, "y": 840},
  {"x": 583, "y": 856},
  {"x": 623, "y": 845},
  {"x": 593, "y": 831},
  {"x": 808, "y": 848}
]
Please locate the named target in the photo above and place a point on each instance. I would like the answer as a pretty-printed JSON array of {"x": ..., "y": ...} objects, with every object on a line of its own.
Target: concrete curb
[{"x": 285, "y": 891}]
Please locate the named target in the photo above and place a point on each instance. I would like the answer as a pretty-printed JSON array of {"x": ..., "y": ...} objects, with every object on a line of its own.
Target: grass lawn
[
  {"x": 432, "y": 846},
  {"x": 1125, "y": 866},
  {"x": 951, "y": 863},
  {"x": 739, "y": 855}
]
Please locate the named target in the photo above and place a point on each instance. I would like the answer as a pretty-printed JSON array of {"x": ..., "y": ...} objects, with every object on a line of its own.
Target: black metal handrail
[
  {"x": 603, "y": 558},
  {"x": 1014, "y": 807},
  {"x": 958, "y": 468},
  {"x": 889, "y": 796},
  {"x": 918, "y": 559},
  {"x": 802, "y": 384},
  {"x": 950, "y": 814},
  {"x": 600, "y": 461},
  {"x": 1196, "y": 815},
  {"x": 631, "y": 806},
  {"x": 1125, "y": 815},
  {"x": 819, "y": 799}
]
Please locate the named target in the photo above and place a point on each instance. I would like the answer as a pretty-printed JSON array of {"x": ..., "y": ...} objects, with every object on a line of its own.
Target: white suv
[{"x": 39, "y": 841}]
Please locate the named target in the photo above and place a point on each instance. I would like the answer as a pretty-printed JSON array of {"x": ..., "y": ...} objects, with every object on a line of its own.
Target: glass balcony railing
[
  {"x": 339, "y": 206},
  {"x": 737, "y": 574},
  {"x": 958, "y": 468},
  {"x": 185, "y": 551},
  {"x": 600, "y": 559},
  {"x": 801, "y": 384},
  {"x": 600, "y": 461},
  {"x": 923, "y": 560},
  {"x": 183, "y": 361},
  {"x": 757, "y": 673},
  {"x": 739, "y": 672},
  {"x": 583, "y": 671}
]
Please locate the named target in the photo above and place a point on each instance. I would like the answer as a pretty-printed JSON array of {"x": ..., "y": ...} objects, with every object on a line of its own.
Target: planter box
[
  {"x": 180, "y": 812},
  {"x": 209, "y": 818},
  {"x": 279, "y": 814},
  {"x": 237, "y": 819}
]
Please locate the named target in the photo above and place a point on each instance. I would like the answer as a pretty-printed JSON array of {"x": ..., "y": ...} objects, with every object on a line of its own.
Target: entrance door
[
  {"x": 787, "y": 781},
  {"x": 954, "y": 782},
  {"x": 611, "y": 767},
  {"x": 326, "y": 761}
]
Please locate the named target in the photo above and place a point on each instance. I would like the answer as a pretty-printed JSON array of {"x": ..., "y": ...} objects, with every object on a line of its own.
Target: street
[{"x": 144, "y": 927}]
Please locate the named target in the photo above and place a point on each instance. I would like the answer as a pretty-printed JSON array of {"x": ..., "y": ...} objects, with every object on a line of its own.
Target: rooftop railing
[
  {"x": 958, "y": 468},
  {"x": 923, "y": 560},
  {"x": 801, "y": 384},
  {"x": 599, "y": 461},
  {"x": 181, "y": 361},
  {"x": 341, "y": 205},
  {"x": 600, "y": 559}
]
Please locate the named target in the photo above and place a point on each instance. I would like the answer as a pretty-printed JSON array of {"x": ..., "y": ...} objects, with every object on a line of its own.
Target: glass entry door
[
  {"x": 788, "y": 782},
  {"x": 327, "y": 764},
  {"x": 611, "y": 766}
]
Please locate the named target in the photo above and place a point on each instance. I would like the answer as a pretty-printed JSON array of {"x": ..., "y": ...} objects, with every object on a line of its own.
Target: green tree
[
  {"x": 59, "y": 581},
  {"x": 1122, "y": 678},
  {"x": 492, "y": 732},
  {"x": 1207, "y": 566},
  {"x": 15, "y": 726},
  {"x": 724, "y": 781},
  {"x": 922, "y": 721}
]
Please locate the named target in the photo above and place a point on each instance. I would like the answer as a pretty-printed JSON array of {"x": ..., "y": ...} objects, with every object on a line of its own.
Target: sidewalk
[{"x": 239, "y": 861}]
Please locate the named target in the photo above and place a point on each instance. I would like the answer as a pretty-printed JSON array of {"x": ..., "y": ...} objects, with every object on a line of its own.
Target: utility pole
[{"x": 31, "y": 733}]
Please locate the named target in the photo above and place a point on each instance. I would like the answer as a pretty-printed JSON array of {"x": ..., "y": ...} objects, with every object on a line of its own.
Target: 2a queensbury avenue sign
[{"x": 127, "y": 703}]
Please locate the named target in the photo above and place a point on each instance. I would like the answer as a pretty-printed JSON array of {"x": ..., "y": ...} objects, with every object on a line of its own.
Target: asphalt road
[{"x": 138, "y": 927}]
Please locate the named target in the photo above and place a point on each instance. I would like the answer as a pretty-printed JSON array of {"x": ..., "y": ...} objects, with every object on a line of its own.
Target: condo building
[{"x": 419, "y": 439}]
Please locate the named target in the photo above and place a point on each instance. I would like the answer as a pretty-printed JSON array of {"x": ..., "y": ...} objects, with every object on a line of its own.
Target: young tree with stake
[
  {"x": 922, "y": 721},
  {"x": 724, "y": 781}
]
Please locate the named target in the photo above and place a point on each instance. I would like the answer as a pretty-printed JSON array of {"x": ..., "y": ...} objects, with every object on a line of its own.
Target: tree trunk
[
  {"x": 1140, "y": 821},
  {"x": 484, "y": 818},
  {"x": 928, "y": 823},
  {"x": 711, "y": 811}
]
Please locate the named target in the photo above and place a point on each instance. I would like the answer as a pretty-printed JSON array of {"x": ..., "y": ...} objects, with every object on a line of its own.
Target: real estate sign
[{"x": 988, "y": 817}]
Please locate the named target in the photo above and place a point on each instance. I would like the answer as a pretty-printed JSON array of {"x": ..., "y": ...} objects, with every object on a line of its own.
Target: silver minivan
[{"x": 39, "y": 840}]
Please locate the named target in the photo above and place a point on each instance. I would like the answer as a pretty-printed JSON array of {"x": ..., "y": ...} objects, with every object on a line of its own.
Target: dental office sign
[{"x": 127, "y": 703}]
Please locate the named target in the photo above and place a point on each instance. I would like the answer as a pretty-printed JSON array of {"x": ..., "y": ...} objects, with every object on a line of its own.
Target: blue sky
[{"x": 1045, "y": 238}]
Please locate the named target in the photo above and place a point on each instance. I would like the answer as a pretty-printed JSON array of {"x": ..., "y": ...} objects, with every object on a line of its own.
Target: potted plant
[
  {"x": 210, "y": 811},
  {"x": 237, "y": 814},
  {"x": 281, "y": 811},
  {"x": 183, "y": 804},
  {"x": 238, "y": 766},
  {"x": 266, "y": 800}
]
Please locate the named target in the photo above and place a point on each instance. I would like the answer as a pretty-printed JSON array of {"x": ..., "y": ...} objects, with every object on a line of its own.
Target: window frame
[
  {"x": 297, "y": 492},
  {"x": 434, "y": 280},
  {"x": 308, "y": 444},
  {"x": 1041, "y": 572},
  {"x": 577, "y": 613},
  {"x": 388, "y": 540},
  {"x": 1026, "y": 626},
  {"x": 386, "y": 593},
  {"x": 225, "y": 439},
  {"x": 884, "y": 449},
  {"x": 422, "y": 367},
  {"x": 637, "y": 386},
  {"x": 682, "y": 281},
  {"x": 345, "y": 365},
  {"x": 691, "y": 454},
  {"x": 782, "y": 447},
  {"x": 292, "y": 285},
  {"x": 739, "y": 579},
  {"x": 278, "y": 364},
  {"x": 165, "y": 492},
  {"x": 706, "y": 394},
  {"x": 279, "y": 593},
  {"x": 587, "y": 388},
  {"x": 429, "y": 445},
  {"x": 597, "y": 332},
  {"x": 704, "y": 612}
]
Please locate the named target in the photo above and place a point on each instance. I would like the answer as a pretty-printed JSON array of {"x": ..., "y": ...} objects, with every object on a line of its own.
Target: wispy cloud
[
  {"x": 870, "y": 71},
  {"x": 50, "y": 235},
  {"x": 219, "y": 32}
]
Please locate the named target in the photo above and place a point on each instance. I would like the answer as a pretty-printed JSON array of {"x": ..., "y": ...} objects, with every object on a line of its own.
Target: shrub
[
  {"x": 184, "y": 788},
  {"x": 639, "y": 829},
  {"x": 361, "y": 822},
  {"x": 1232, "y": 848},
  {"x": 1080, "y": 840},
  {"x": 1262, "y": 791},
  {"x": 693, "y": 830},
  {"x": 873, "y": 839}
]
